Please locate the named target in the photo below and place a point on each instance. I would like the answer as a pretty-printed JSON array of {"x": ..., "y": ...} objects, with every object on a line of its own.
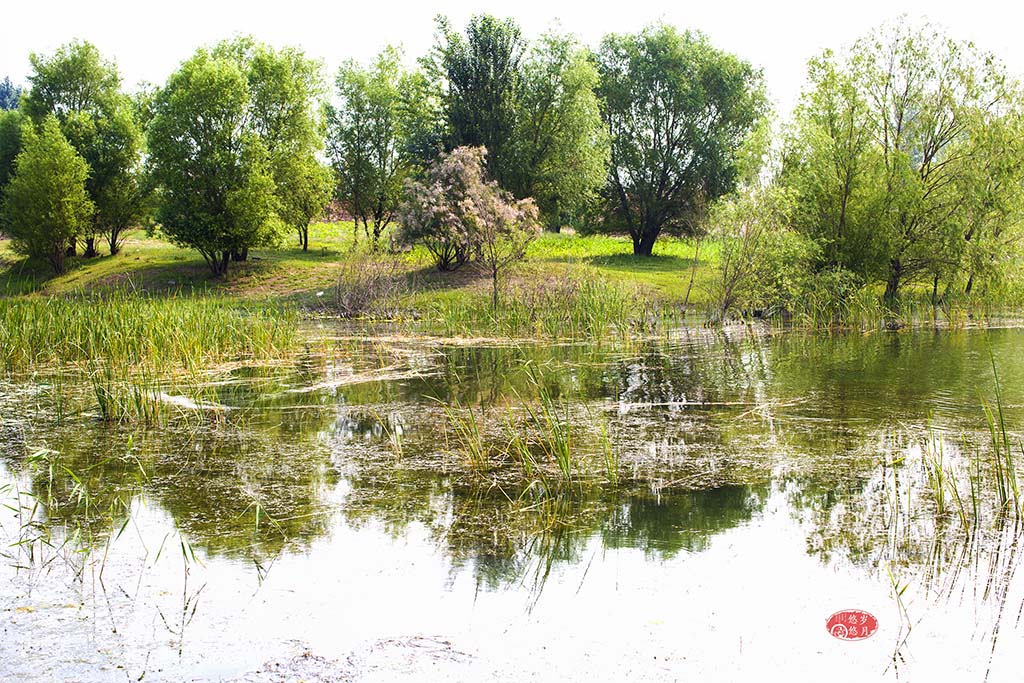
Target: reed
[
  {"x": 552, "y": 424},
  {"x": 555, "y": 309},
  {"x": 132, "y": 329},
  {"x": 1004, "y": 467},
  {"x": 466, "y": 426}
]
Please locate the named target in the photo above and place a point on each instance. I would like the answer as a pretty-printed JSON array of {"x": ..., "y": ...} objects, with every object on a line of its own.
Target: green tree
[
  {"x": 923, "y": 90},
  {"x": 831, "y": 164},
  {"x": 560, "y": 149},
  {"x": 991, "y": 189},
  {"x": 763, "y": 263},
  {"x": 83, "y": 91},
  {"x": 371, "y": 136},
  {"x": 12, "y": 124},
  {"x": 479, "y": 75},
  {"x": 216, "y": 190},
  {"x": 904, "y": 160},
  {"x": 284, "y": 88},
  {"x": 677, "y": 110},
  {"x": 304, "y": 187},
  {"x": 227, "y": 135},
  {"x": 45, "y": 203}
]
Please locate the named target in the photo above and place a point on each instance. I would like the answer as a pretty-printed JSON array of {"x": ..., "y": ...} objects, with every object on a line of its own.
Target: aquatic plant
[{"x": 128, "y": 329}]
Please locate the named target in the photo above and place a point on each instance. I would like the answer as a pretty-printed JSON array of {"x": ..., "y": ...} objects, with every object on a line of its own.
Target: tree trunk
[
  {"x": 56, "y": 260},
  {"x": 242, "y": 255},
  {"x": 892, "y": 285},
  {"x": 494, "y": 289},
  {"x": 90, "y": 247},
  {"x": 970, "y": 284},
  {"x": 114, "y": 240},
  {"x": 219, "y": 263},
  {"x": 305, "y": 238},
  {"x": 72, "y": 249},
  {"x": 643, "y": 244}
]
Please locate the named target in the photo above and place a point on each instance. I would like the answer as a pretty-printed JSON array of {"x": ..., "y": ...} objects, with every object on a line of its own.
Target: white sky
[{"x": 148, "y": 40}]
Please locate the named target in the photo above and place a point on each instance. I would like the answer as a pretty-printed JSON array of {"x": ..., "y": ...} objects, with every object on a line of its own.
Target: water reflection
[
  {"x": 703, "y": 413},
  {"x": 711, "y": 433}
]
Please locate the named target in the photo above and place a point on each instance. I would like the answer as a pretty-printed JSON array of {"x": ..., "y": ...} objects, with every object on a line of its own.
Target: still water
[{"x": 323, "y": 521}]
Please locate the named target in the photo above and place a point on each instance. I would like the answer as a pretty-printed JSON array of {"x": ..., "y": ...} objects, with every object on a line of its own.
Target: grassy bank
[
  {"x": 569, "y": 286},
  {"x": 289, "y": 274}
]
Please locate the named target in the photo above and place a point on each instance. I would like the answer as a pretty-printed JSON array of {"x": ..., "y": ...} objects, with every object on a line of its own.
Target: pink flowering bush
[{"x": 459, "y": 215}]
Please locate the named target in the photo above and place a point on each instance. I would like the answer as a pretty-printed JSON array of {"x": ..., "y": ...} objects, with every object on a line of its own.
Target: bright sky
[{"x": 148, "y": 40}]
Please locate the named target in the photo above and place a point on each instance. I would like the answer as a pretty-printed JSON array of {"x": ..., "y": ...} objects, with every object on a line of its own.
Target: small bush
[{"x": 369, "y": 287}]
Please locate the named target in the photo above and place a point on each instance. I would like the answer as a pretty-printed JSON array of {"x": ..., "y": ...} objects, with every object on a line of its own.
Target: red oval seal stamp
[{"x": 852, "y": 624}]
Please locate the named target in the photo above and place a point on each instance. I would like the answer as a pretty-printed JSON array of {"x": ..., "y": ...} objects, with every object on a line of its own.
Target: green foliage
[
  {"x": 905, "y": 158},
  {"x": 560, "y": 148},
  {"x": 304, "y": 186},
  {"x": 763, "y": 265},
  {"x": 83, "y": 91},
  {"x": 480, "y": 75},
  {"x": 372, "y": 135},
  {"x": 11, "y": 126},
  {"x": 677, "y": 111},
  {"x": 75, "y": 79},
  {"x": 533, "y": 108},
  {"x": 45, "y": 203},
  {"x": 204, "y": 105},
  {"x": 229, "y": 132},
  {"x": 992, "y": 199}
]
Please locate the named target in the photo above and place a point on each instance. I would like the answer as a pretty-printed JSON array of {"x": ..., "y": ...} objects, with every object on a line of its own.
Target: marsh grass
[
  {"x": 552, "y": 424},
  {"x": 1004, "y": 467},
  {"x": 548, "y": 444},
  {"x": 60, "y": 517},
  {"x": 554, "y": 308},
  {"x": 469, "y": 436},
  {"x": 130, "y": 329},
  {"x": 130, "y": 350}
]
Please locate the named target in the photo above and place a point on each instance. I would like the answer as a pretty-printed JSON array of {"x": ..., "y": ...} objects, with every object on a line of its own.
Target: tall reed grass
[
  {"x": 556, "y": 309},
  {"x": 130, "y": 329}
]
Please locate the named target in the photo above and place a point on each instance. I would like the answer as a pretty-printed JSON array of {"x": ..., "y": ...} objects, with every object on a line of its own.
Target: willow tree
[
  {"x": 533, "y": 106},
  {"x": 677, "y": 111},
  {"x": 905, "y": 157},
  {"x": 478, "y": 73},
  {"x": 216, "y": 186},
  {"x": 831, "y": 163},
  {"x": 559, "y": 150},
  {"x": 228, "y": 132},
  {"x": 370, "y": 139},
  {"x": 285, "y": 89}
]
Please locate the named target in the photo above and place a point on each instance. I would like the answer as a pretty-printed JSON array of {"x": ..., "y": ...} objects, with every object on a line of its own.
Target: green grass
[
  {"x": 570, "y": 286},
  {"x": 126, "y": 330},
  {"x": 286, "y": 272}
]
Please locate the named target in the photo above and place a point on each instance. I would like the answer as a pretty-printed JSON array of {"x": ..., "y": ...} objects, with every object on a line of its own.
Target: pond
[{"x": 688, "y": 507}]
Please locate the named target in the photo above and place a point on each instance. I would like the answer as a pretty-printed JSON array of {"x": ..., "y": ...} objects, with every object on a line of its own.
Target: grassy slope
[{"x": 288, "y": 274}]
